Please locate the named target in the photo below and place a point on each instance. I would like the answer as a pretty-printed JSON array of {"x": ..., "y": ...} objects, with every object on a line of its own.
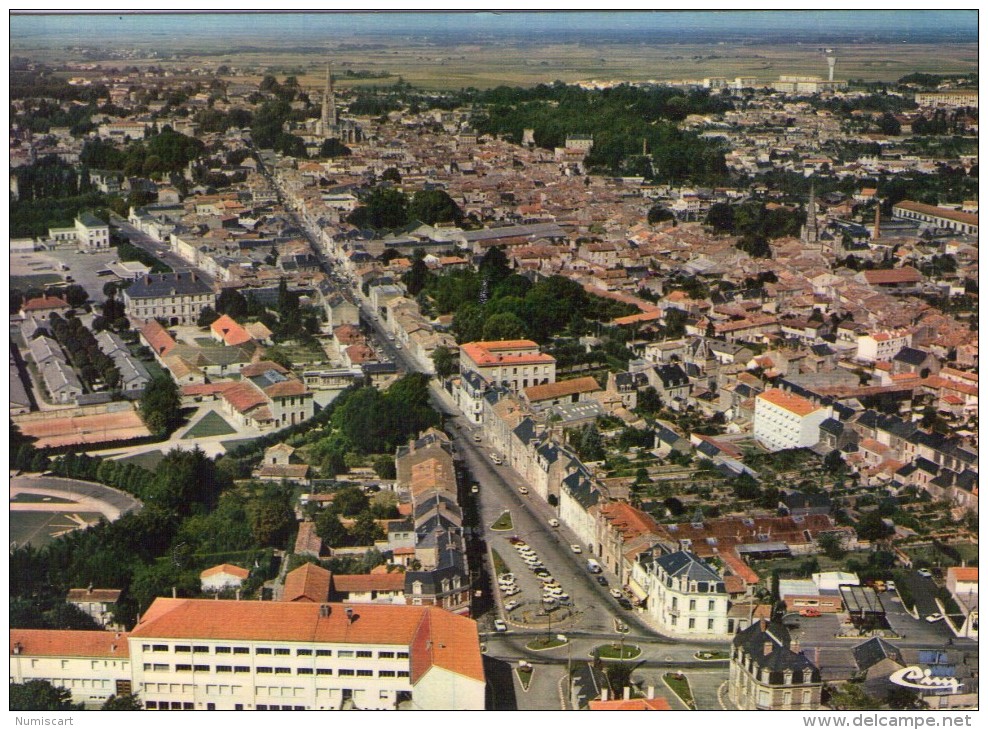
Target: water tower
[{"x": 831, "y": 62}]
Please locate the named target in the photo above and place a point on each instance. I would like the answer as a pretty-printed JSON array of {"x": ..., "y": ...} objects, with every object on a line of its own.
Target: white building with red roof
[
  {"x": 220, "y": 577},
  {"x": 787, "y": 421},
  {"x": 515, "y": 364}
]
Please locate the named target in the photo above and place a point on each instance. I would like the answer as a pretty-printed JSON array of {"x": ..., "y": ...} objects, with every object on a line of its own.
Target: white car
[
  {"x": 934, "y": 617},
  {"x": 506, "y": 578},
  {"x": 616, "y": 593},
  {"x": 553, "y": 522},
  {"x": 923, "y": 572},
  {"x": 512, "y": 591},
  {"x": 476, "y": 438},
  {"x": 500, "y": 626},
  {"x": 523, "y": 490},
  {"x": 511, "y": 605},
  {"x": 505, "y": 587},
  {"x": 475, "y": 488},
  {"x": 397, "y": 345},
  {"x": 576, "y": 549}
]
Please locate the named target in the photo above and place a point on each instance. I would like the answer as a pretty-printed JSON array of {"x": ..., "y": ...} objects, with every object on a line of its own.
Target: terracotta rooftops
[
  {"x": 307, "y": 583},
  {"x": 226, "y": 569},
  {"x": 94, "y": 595},
  {"x": 905, "y": 275},
  {"x": 658, "y": 703},
  {"x": 561, "y": 388},
  {"x": 48, "y": 642},
  {"x": 360, "y": 583},
  {"x": 789, "y": 401},
  {"x": 967, "y": 575},
  {"x": 435, "y": 637},
  {"x": 227, "y": 329},
  {"x": 505, "y": 352},
  {"x": 42, "y": 303}
]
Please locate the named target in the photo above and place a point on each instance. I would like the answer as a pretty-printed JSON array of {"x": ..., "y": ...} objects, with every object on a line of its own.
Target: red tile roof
[
  {"x": 905, "y": 275},
  {"x": 369, "y": 582},
  {"x": 562, "y": 388},
  {"x": 93, "y": 595},
  {"x": 658, "y": 703},
  {"x": 308, "y": 583},
  {"x": 42, "y": 303},
  {"x": 788, "y": 401},
  {"x": 968, "y": 575},
  {"x": 243, "y": 396},
  {"x": 261, "y": 367},
  {"x": 227, "y": 329},
  {"x": 51, "y": 642},
  {"x": 287, "y": 387},
  {"x": 491, "y": 353},
  {"x": 157, "y": 337},
  {"x": 225, "y": 569}
]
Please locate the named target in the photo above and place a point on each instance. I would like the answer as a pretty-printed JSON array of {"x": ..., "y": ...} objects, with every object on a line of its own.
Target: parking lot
[
  {"x": 526, "y": 591},
  {"x": 81, "y": 267}
]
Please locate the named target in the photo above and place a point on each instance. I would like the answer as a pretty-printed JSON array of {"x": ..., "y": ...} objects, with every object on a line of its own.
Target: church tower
[
  {"x": 810, "y": 232},
  {"x": 329, "y": 106}
]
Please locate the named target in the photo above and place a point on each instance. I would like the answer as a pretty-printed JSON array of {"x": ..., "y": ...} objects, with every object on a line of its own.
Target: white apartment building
[
  {"x": 686, "y": 597},
  {"x": 787, "y": 421},
  {"x": 883, "y": 346},
  {"x": 177, "y": 298},
  {"x": 92, "y": 665},
  {"x": 88, "y": 231},
  {"x": 514, "y": 364},
  {"x": 194, "y": 654}
]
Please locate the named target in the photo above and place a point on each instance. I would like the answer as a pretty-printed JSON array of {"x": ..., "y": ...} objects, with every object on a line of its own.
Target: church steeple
[
  {"x": 810, "y": 232},
  {"x": 328, "y": 104}
]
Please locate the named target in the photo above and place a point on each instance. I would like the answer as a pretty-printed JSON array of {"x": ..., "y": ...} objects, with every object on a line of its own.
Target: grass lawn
[
  {"x": 234, "y": 443},
  {"x": 503, "y": 522},
  {"x": 712, "y": 656},
  {"x": 148, "y": 460},
  {"x": 544, "y": 642},
  {"x": 618, "y": 652},
  {"x": 500, "y": 567},
  {"x": 33, "y": 281},
  {"x": 212, "y": 424},
  {"x": 681, "y": 686}
]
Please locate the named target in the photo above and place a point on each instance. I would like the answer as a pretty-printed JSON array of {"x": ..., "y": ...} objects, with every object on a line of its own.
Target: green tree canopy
[
  {"x": 40, "y": 695},
  {"x": 160, "y": 405},
  {"x": 434, "y": 206},
  {"x": 381, "y": 208}
]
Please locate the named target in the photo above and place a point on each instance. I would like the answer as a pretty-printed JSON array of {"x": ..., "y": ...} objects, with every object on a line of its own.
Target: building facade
[
  {"x": 686, "y": 596},
  {"x": 767, "y": 672},
  {"x": 177, "y": 298},
  {"x": 514, "y": 364},
  {"x": 787, "y": 421}
]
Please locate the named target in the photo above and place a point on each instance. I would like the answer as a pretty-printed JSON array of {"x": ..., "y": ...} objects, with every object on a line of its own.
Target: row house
[
  {"x": 622, "y": 530},
  {"x": 685, "y": 595}
]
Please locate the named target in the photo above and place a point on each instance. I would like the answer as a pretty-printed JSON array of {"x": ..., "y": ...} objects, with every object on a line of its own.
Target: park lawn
[
  {"x": 234, "y": 443},
  {"x": 148, "y": 460},
  {"x": 33, "y": 281},
  {"x": 503, "y": 522},
  {"x": 525, "y": 676},
  {"x": 500, "y": 567},
  {"x": 610, "y": 651},
  {"x": 212, "y": 424},
  {"x": 544, "y": 643}
]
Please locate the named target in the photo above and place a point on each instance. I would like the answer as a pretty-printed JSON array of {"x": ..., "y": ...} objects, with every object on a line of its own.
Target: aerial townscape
[{"x": 533, "y": 361}]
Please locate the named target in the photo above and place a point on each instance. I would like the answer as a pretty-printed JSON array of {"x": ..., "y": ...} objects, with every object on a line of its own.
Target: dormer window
[{"x": 417, "y": 588}]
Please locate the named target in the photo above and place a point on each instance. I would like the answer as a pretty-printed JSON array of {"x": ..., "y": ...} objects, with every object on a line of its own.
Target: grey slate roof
[
  {"x": 874, "y": 650},
  {"x": 911, "y": 356},
  {"x": 686, "y": 564},
  {"x": 166, "y": 285},
  {"x": 780, "y": 657}
]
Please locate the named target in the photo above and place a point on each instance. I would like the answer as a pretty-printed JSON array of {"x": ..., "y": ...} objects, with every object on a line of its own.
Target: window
[
  {"x": 200, "y": 649},
  {"x": 710, "y": 605},
  {"x": 345, "y": 654},
  {"x": 692, "y": 623},
  {"x": 303, "y": 652},
  {"x": 402, "y": 674},
  {"x": 151, "y": 705},
  {"x": 222, "y": 650},
  {"x": 160, "y": 647},
  {"x": 224, "y": 668},
  {"x": 145, "y": 647},
  {"x": 385, "y": 655},
  {"x": 241, "y": 650},
  {"x": 183, "y": 667},
  {"x": 282, "y": 652},
  {"x": 262, "y": 650},
  {"x": 403, "y": 655},
  {"x": 346, "y": 672},
  {"x": 201, "y": 667},
  {"x": 282, "y": 670},
  {"x": 385, "y": 673},
  {"x": 365, "y": 654},
  {"x": 161, "y": 667},
  {"x": 264, "y": 670},
  {"x": 710, "y": 624},
  {"x": 692, "y": 604},
  {"x": 324, "y": 672},
  {"x": 305, "y": 670},
  {"x": 675, "y": 603},
  {"x": 365, "y": 673},
  {"x": 183, "y": 649},
  {"x": 241, "y": 670},
  {"x": 324, "y": 652}
]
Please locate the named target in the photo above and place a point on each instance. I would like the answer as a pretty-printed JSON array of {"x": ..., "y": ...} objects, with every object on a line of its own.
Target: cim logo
[{"x": 918, "y": 678}]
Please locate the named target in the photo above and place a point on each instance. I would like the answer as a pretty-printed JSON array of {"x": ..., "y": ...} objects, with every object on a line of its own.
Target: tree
[
  {"x": 384, "y": 466},
  {"x": 160, "y": 405},
  {"x": 504, "y": 326},
  {"x": 350, "y": 501},
  {"x": 123, "y": 703},
  {"x": 721, "y": 217},
  {"x": 365, "y": 530},
  {"x": 445, "y": 362},
  {"x": 659, "y": 214},
  {"x": 649, "y": 401},
  {"x": 591, "y": 446},
  {"x": 40, "y": 695},
  {"x": 271, "y": 516},
  {"x": 873, "y": 527},
  {"x": 207, "y": 316},
  {"x": 832, "y": 545},
  {"x": 434, "y": 206},
  {"x": 382, "y": 208},
  {"x": 330, "y": 529},
  {"x": 75, "y": 295},
  {"x": 334, "y": 148},
  {"x": 851, "y": 696},
  {"x": 391, "y": 174},
  {"x": 417, "y": 277}
]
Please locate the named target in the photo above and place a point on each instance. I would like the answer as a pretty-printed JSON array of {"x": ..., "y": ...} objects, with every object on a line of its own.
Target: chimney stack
[{"x": 767, "y": 649}]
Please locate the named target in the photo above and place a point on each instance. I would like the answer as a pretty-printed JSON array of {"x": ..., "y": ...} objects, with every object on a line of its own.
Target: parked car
[
  {"x": 616, "y": 593},
  {"x": 890, "y": 585},
  {"x": 475, "y": 488},
  {"x": 602, "y": 580},
  {"x": 541, "y": 572},
  {"x": 925, "y": 573},
  {"x": 511, "y": 605},
  {"x": 624, "y": 603},
  {"x": 506, "y": 578},
  {"x": 523, "y": 490},
  {"x": 576, "y": 549},
  {"x": 553, "y": 522},
  {"x": 512, "y": 591},
  {"x": 496, "y": 459},
  {"x": 500, "y": 626},
  {"x": 810, "y": 612},
  {"x": 934, "y": 617}
]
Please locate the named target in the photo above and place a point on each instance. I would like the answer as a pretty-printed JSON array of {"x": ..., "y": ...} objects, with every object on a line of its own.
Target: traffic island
[
  {"x": 544, "y": 643},
  {"x": 525, "y": 673},
  {"x": 678, "y": 683},
  {"x": 617, "y": 652},
  {"x": 503, "y": 523},
  {"x": 712, "y": 656}
]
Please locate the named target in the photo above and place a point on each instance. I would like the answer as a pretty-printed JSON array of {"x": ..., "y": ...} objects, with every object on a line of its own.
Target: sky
[{"x": 800, "y": 26}]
